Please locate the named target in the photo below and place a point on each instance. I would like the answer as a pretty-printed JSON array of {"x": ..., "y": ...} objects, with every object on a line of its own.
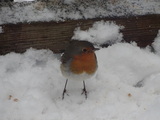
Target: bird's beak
[{"x": 96, "y": 49}]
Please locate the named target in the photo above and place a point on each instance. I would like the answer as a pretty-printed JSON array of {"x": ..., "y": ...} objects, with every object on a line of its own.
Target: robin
[{"x": 79, "y": 62}]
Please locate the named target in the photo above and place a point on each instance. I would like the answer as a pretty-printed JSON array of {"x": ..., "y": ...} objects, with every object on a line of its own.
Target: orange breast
[{"x": 85, "y": 62}]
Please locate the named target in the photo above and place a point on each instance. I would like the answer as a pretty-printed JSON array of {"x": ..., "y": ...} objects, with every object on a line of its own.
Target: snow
[
  {"x": 22, "y": 0},
  {"x": 125, "y": 87},
  {"x": 1, "y": 29},
  {"x": 96, "y": 33},
  {"x": 31, "y": 86},
  {"x": 59, "y": 10},
  {"x": 156, "y": 43}
]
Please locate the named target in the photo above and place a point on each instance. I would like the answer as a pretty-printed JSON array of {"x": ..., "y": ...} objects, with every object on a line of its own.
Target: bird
[{"x": 78, "y": 62}]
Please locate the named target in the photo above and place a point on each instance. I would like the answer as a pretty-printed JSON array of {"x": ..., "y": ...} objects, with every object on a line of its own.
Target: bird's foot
[
  {"x": 64, "y": 92},
  {"x": 84, "y": 91}
]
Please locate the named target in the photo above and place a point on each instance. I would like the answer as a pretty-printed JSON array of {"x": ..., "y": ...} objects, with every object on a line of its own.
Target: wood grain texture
[{"x": 56, "y": 36}]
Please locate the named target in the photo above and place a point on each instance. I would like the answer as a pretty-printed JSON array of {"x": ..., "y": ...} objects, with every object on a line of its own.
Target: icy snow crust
[{"x": 75, "y": 9}]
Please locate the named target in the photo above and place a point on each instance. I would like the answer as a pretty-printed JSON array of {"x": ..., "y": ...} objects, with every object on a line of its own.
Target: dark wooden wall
[{"x": 55, "y": 36}]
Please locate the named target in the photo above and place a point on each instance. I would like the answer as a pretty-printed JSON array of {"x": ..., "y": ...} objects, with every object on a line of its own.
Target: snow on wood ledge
[
  {"x": 61, "y": 10},
  {"x": 56, "y": 35}
]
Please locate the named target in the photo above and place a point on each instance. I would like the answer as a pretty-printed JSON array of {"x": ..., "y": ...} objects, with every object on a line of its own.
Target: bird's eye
[{"x": 84, "y": 50}]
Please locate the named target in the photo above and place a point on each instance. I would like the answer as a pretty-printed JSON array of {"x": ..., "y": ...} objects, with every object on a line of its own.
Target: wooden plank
[{"x": 55, "y": 36}]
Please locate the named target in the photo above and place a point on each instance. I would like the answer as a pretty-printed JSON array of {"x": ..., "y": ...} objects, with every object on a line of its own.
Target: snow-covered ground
[
  {"x": 60, "y": 10},
  {"x": 126, "y": 86}
]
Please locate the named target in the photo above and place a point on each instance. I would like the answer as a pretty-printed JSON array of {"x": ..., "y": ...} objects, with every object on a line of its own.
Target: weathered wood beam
[{"x": 55, "y": 36}]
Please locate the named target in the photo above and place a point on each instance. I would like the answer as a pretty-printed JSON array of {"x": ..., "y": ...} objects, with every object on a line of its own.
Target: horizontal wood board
[{"x": 56, "y": 35}]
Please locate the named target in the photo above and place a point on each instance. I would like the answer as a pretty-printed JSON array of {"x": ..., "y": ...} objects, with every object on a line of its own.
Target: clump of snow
[
  {"x": 100, "y": 33},
  {"x": 1, "y": 29},
  {"x": 156, "y": 43},
  {"x": 22, "y": 0},
  {"x": 31, "y": 86},
  {"x": 69, "y": 1},
  {"x": 61, "y": 10}
]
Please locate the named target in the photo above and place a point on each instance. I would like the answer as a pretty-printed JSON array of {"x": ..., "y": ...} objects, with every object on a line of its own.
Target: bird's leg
[
  {"x": 84, "y": 91},
  {"x": 64, "y": 91}
]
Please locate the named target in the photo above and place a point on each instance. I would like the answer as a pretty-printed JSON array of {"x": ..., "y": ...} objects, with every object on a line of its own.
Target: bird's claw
[
  {"x": 84, "y": 91},
  {"x": 64, "y": 92}
]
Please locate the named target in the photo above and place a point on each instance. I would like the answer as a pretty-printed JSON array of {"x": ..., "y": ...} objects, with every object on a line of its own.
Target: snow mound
[{"x": 100, "y": 33}]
